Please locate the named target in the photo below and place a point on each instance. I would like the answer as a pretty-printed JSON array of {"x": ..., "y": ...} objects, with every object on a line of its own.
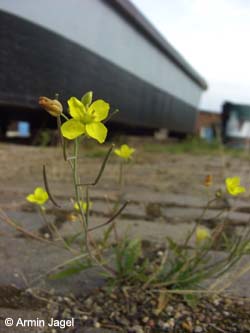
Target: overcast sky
[{"x": 214, "y": 37}]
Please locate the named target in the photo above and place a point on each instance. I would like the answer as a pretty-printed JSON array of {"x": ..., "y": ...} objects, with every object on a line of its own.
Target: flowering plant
[{"x": 182, "y": 266}]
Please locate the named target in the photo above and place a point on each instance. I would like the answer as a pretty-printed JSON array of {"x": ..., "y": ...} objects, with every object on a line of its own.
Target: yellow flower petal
[
  {"x": 83, "y": 204},
  {"x": 233, "y": 186},
  {"x": 31, "y": 198},
  {"x": 40, "y": 196},
  {"x": 72, "y": 128},
  {"x": 202, "y": 234},
  {"x": 125, "y": 152},
  {"x": 97, "y": 131},
  {"x": 99, "y": 109},
  {"x": 118, "y": 152},
  {"x": 76, "y": 108}
]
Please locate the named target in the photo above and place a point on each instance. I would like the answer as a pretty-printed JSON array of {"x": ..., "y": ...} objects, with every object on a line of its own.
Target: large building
[{"x": 70, "y": 47}]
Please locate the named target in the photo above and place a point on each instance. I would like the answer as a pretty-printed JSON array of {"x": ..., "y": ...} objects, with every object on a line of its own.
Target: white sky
[{"x": 214, "y": 37}]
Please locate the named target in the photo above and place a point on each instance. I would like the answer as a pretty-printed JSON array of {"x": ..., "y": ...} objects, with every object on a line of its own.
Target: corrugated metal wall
[
  {"x": 98, "y": 27},
  {"x": 35, "y": 61}
]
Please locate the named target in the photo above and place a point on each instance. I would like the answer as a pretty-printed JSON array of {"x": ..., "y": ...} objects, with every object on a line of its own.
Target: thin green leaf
[
  {"x": 72, "y": 270},
  {"x": 131, "y": 254}
]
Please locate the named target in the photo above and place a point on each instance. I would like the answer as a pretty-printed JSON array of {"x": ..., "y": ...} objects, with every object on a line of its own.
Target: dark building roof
[{"x": 132, "y": 14}]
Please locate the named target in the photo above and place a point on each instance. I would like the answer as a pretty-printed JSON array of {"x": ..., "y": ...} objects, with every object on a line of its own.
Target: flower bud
[
  {"x": 52, "y": 106},
  {"x": 87, "y": 98},
  {"x": 218, "y": 194}
]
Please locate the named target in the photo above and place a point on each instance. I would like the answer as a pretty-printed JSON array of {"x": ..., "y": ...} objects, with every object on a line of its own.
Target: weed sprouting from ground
[{"x": 182, "y": 266}]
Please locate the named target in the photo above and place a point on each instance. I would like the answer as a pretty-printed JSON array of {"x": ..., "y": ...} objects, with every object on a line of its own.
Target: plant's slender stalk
[
  {"x": 55, "y": 268},
  {"x": 62, "y": 140},
  {"x": 87, "y": 206},
  {"x": 54, "y": 229},
  {"x": 11, "y": 223},
  {"x": 46, "y": 184},
  {"x": 111, "y": 115},
  {"x": 64, "y": 116},
  {"x": 154, "y": 275},
  {"x": 186, "y": 291},
  {"x": 198, "y": 221},
  {"x": 95, "y": 182},
  {"x": 84, "y": 222},
  {"x": 241, "y": 272},
  {"x": 196, "y": 258},
  {"x": 111, "y": 219}
]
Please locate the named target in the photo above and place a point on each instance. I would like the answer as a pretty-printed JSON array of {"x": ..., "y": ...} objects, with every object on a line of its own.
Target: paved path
[{"x": 166, "y": 199}]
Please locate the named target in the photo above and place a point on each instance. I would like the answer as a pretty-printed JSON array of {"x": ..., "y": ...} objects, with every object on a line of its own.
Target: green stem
[
  {"x": 198, "y": 222},
  {"x": 83, "y": 216},
  {"x": 77, "y": 188},
  {"x": 53, "y": 229},
  {"x": 64, "y": 116}
]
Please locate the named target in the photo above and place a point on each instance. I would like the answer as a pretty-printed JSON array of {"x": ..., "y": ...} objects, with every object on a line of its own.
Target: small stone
[
  {"x": 97, "y": 324},
  {"x": 113, "y": 296},
  {"x": 29, "y": 291},
  {"x": 97, "y": 308},
  {"x": 226, "y": 313},
  {"x": 198, "y": 329},
  {"x": 169, "y": 309},
  {"x": 216, "y": 302},
  {"x": 177, "y": 315},
  {"x": 187, "y": 326},
  {"x": 67, "y": 300},
  {"x": 151, "y": 323},
  {"x": 170, "y": 323},
  {"x": 89, "y": 302},
  {"x": 123, "y": 321},
  {"x": 133, "y": 310},
  {"x": 66, "y": 314},
  {"x": 137, "y": 329},
  {"x": 145, "y": 319}
]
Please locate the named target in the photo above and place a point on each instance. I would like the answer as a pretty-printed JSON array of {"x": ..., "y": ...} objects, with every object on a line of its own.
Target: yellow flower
[
  {"x": 52, "y": 106},
  {"x": 39, "y": 197},
  {"x": 125, "y": 152},
  {"x": 83, "y": 205},
  {"x": 233, "y": 186},
  {"x": 202, "y": 234},
  {"x": 86, "y": 120}
]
